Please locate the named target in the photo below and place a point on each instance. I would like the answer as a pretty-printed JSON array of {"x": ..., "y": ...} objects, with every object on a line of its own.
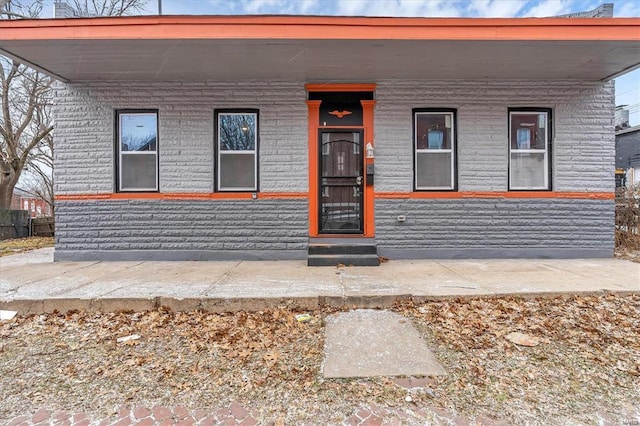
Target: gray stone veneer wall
[
  {"x": 582, "y": 161},
  {"x": 181, "y": 229},
  {"x": 84, "y": 132},
  {"x": 583, "y": 150},
  {"x": 582, "y": 155},
  {"x": 494, "y": 228}
]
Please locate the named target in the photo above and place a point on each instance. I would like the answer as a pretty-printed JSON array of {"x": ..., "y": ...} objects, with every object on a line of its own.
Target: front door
[{"x": 341, "y": 181}]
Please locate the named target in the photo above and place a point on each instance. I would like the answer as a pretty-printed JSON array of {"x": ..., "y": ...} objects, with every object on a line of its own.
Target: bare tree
[
  {"x": 24, "y": 103},
  {"x": 20, "y": 9},
  {"x": 108, "y": 7},
  {"x": 39, "y": 169},
  {"x": 26, "y": 141}
]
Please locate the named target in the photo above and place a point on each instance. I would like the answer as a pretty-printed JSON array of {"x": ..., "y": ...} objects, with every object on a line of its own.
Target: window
[
  {"x": 434, "y": 142},
  {"x": 237, "y": 147},
  {"x": 137, "y": 146},
  {"x": 529, "y": 141}
]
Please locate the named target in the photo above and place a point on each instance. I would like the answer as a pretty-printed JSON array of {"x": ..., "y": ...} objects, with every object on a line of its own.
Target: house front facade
[{"x": 209, "y": 138}]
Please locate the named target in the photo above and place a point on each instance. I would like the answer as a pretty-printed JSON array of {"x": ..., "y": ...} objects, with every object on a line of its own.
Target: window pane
[
  {"x": 237, "y": 132},
  {"x": 237, "y": 171},
  {"x": 528, "y": 130},
  {"x": 528, "y": 170},
  {"x": 138, "y": 131},
  {"x": 138, "y": 172},
  {"x": 433, "y": 130},
  {"x": 434, "y": 170}
]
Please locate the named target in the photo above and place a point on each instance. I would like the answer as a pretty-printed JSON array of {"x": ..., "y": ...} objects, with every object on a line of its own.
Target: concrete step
[
  {"x": 343, "y": 259},
  {"x": 321, "y": 249}
]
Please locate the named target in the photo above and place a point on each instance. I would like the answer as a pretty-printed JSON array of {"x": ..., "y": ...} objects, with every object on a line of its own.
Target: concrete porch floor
[{"x": 33, "y": 283}]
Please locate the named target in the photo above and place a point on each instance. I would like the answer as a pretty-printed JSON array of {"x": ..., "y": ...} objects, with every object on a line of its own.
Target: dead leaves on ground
[
  {"x": 586, "y": 358},
  {"x": 595, "y": 321},
  {"x": 581, "y": 354},
  {"x": 238, "y": 351}
]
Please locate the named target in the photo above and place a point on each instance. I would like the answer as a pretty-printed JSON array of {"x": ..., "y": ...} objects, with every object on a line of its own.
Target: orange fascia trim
[
  {"x": 320, "y": 28},
  {"x": 510, "y": 194},
  {"x": 339, "y": 87},
  {"x": 183, "y": 196}
]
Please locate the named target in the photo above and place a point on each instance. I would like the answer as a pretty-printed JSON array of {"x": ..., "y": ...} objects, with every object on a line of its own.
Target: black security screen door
[{"x": 341, "y": 181}]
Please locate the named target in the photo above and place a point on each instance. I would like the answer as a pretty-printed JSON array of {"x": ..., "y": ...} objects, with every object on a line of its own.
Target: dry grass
[
  {"x": 587, "y": 362},
  {"x": 21, "y": 245}
]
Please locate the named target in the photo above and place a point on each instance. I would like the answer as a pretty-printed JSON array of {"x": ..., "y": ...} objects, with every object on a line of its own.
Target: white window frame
[
  {"x": 221, "y": 152},
  {"x": 122, "y": 153},
  {"x": 545, "y": 151},
  {"x": 452, "y": 150}
]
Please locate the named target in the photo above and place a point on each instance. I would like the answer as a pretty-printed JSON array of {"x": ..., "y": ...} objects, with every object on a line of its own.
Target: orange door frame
[{"x": 314, "y": 128}]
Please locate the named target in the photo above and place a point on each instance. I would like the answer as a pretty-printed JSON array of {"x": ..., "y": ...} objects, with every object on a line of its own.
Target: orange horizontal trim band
[
  {"x": 339, "y": 87},
  {"x": 320, "y": 28},
  {"x": 183, "y": 196},
  {"x": 510, "y": 194},
  {"x": 304, "y": 195}
]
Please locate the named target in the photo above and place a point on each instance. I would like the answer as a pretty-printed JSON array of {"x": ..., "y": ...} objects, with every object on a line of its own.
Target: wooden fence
[
  {"x": 18, "y": 224},
  {"x": 42, "y": 227},
  {"x": 14, "y": 224}
]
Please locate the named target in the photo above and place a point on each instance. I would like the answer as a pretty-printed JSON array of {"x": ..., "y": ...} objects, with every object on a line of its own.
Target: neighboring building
[
  {"x": 603, "y": 11},
  {"x": 62, "y": 9},
  {"x": 271, "y": 137},
  {"x": 628, "y": 157},
  {"x": 622, "y": 117},
  {"x": 22, "y": 200}
]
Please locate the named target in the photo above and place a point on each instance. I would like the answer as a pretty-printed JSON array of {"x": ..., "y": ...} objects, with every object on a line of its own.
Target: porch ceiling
[{"x": 324, "y": 49}]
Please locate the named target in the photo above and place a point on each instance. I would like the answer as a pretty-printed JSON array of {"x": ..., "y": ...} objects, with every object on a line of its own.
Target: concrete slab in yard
[{"x": 368, "y": 343}]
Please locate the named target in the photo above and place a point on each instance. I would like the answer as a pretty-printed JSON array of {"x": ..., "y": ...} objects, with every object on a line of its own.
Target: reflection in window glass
[
  {"x": 237, "y": 140},
  {"x": 237, "y": 132},
  {"x": 434, "y": 144},
  {"x": 138, "y": 132},
  {"x": 529, "y": 150},
  {"x": 138, "y": 155}
]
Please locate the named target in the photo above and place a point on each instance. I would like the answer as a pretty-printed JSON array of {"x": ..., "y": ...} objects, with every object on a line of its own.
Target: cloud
[
  {"x": 418, "y": 8},
  {"x": 628, "y": 9},
  {"x": 307, "y": 5},
  {"x": 422, "y": 8},
  {"x": 254, "y": 7},
  {"x": 496, "y": 8},
  {"x": 553, "y": 8}
]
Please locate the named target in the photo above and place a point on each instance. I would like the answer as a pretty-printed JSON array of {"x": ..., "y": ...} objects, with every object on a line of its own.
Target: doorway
[{"x": 341, "y": 181}]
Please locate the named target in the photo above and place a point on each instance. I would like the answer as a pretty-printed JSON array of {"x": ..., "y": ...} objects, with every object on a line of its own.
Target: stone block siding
[
  {"x": 84, "y": 132},
  {"x": 583, "y": 130},
  {"x": 582, "y": 153},
  {"x": 495, "y": 228},
  {"x": 204, "y": 228}
]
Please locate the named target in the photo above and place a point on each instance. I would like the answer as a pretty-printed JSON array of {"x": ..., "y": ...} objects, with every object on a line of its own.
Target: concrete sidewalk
[{"x": 32, "y": 283}]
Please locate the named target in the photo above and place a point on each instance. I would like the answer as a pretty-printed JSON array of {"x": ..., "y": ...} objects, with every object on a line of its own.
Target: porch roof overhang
[{"x": 323, "y": 49}]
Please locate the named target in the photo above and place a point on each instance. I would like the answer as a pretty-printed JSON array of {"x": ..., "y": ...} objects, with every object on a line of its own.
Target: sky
[{"x": 627, "y": 86}]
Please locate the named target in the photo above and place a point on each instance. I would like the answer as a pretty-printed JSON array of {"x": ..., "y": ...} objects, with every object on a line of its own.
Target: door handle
[{"x": 359, "y": 180}]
